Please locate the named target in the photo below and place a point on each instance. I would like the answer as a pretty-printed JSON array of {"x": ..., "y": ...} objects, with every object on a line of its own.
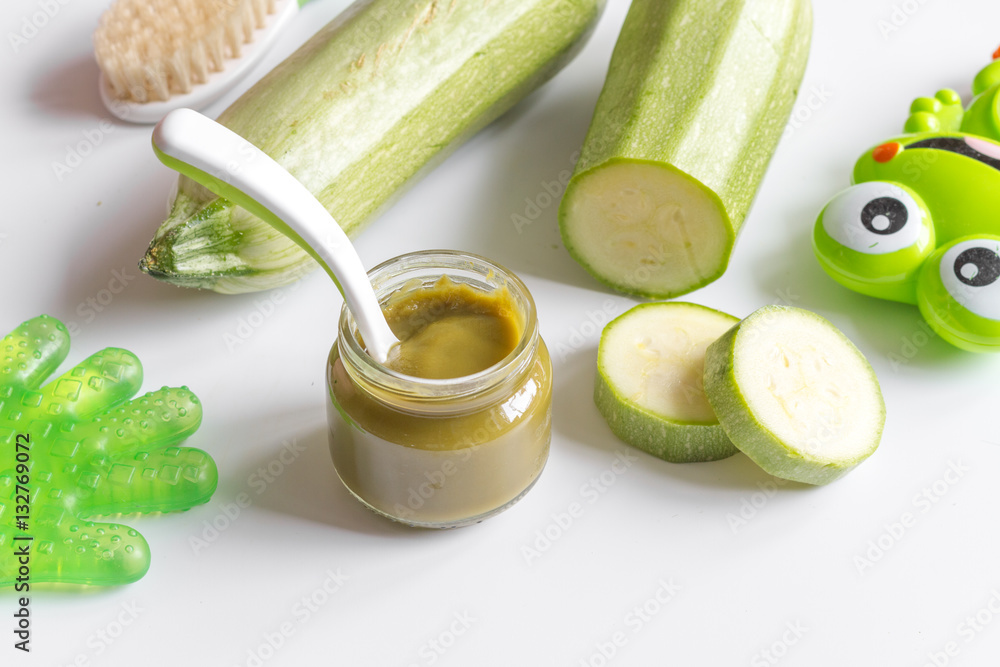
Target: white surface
[
  {"x": 792, "y": 562},
  {"x": 211, "y": 148}
]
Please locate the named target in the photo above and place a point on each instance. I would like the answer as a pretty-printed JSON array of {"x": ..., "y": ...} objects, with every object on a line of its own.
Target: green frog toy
[{"x": 921, "y": 224}]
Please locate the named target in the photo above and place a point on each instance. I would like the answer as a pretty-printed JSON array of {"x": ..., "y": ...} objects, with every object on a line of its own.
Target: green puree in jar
[
  {"x": 455, "y": 427},
  {"x": 450, "y": 329}
]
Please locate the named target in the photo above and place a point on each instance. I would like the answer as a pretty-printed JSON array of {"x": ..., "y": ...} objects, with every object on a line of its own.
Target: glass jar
[{"x": 440, "y": 453}]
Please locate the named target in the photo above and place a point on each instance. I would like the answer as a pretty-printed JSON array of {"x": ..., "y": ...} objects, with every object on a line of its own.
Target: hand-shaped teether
[{"x": 90, "y": 452}]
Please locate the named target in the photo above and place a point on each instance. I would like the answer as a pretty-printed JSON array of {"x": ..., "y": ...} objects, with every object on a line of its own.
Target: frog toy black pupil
[
  {"x": 978, "y": 267},
  {"x": 885, "y": 215}
]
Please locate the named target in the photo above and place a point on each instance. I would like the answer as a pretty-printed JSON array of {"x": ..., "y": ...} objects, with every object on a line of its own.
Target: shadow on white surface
[
  {"x": 70, "y": 90},
  {"x": 574, "y": 421},
  {"x": 536, "y": 142},
  {"x": 310, "y": 490},
  {"x": 111, "y": 244}
]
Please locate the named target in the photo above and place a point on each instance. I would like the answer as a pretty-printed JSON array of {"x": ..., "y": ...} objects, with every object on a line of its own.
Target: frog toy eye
[
  {"x": 873, "y": 238},
  {"x": 959, "y": 292},
  {"x": 875, "y": 218},
  {"x": 970, "y": 271}
]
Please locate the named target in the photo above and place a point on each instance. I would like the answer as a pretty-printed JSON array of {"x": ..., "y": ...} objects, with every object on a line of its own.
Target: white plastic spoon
[{"x": 232, "y": 167}]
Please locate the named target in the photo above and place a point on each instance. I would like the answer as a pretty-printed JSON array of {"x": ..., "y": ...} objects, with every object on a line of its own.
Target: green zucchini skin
[
  {"x": 371, "y": 102},
  {"x": 703, "y": 89},
  {"x": 670, "y": 441}
]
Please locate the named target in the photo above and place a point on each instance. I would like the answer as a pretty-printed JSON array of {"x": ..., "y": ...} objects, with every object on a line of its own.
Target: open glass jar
[{"x": 440, "y": 453}]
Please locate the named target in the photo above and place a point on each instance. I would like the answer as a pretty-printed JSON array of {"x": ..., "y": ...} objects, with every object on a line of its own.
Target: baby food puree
[{"x": 450, "y": 330}]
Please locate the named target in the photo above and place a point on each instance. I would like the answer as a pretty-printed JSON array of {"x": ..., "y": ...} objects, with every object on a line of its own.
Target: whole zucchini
[
  {"x": 383, "y": 92},
  {"x": 696, "y": 98}
]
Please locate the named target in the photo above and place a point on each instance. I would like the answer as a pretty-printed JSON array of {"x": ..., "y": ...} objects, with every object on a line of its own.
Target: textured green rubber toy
[{"x": 78, "y": 448}]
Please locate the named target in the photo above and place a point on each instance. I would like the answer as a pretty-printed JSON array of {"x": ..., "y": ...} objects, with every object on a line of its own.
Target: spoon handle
[{"x": 232, "y": 167}]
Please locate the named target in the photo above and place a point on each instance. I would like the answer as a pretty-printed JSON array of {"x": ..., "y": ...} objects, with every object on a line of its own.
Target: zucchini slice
[
  {"x": 795, "y": 395},
  {"x": 650, "y": 366}
]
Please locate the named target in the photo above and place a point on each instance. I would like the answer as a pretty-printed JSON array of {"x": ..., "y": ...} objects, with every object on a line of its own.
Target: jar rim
[{"x": 387, "y": 277}]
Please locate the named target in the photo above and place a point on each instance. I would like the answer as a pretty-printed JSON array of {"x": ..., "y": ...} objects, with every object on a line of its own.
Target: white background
[{"x": 794, "y": 561}]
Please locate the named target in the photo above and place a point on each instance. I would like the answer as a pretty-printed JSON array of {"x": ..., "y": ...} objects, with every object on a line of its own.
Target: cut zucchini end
[
  {"x": 231, "y": 281},
  {"x": 646, "y": 228},
  {"x": 215, "y": 245},
  {"x": 649, "y": 381},
  {"x": 795, "y": 395}
]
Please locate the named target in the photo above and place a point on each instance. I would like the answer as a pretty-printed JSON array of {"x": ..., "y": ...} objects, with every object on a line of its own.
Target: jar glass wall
[{"x": 440, "y": 453}]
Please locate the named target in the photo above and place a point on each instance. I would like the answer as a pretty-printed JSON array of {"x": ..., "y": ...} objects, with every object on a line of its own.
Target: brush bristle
[{"x": 150, "y": 50}]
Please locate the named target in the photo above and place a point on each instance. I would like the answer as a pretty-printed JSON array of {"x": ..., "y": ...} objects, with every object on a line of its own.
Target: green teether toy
[
  {"x": 921, "y": 224},
  {"x": 78, "y": 448}
]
